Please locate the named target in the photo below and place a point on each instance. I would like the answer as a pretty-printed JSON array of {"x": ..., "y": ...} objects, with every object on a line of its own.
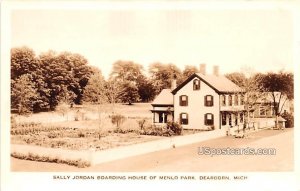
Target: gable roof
[
  {"x": 165, "y": 97},
  {"x": 220, "y": 84}
]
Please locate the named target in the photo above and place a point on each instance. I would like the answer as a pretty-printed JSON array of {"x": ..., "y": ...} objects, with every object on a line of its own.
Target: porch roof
[{"x": 165, "y": 97}]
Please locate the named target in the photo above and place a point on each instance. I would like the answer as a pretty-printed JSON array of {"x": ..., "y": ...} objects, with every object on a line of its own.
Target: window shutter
[{"x": 187, "y": 101}]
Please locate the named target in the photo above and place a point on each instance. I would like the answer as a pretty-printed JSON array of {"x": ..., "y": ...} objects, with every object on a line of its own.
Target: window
[
  {"x": 184, "y": 119},
  {"x": 183, "y": 100},
  {"x": 209, "y": 100},
  {"x": 241, "y": 117},
  {"x": 209, "y": 119},
  {"x": 262, "y": 111},
  {"x": 196, "y": 84},
  {"x": 162, "y": 118},
  {"x": 230, "y": 120},
  {"x": 236, "y": 119},
  {"x": 223, "y": 119},
  {"x": 242, "y": 99},
  {"x": 235, "y": 100},
  {"x": 230, "y": 100},
  {"x": 223, "y": 100}
]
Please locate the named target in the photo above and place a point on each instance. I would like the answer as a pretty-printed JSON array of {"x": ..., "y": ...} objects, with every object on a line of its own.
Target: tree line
[{"x": 42, "y": 82}]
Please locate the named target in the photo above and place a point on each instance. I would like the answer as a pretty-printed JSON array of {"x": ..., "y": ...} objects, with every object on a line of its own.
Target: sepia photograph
[{"x": 149, "y": 91}]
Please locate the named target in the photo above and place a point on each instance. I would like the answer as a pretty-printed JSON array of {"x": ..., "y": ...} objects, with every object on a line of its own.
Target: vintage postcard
[{"x": 173, "y": 95}]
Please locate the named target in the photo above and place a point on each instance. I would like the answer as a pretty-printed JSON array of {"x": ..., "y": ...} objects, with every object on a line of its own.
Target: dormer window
[
  {"x": 196, "y": 84},
  {"x": 183, "y": 100}
]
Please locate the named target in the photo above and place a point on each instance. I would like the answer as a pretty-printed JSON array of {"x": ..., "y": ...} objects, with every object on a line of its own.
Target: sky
[{"x": 233, "y": 39}]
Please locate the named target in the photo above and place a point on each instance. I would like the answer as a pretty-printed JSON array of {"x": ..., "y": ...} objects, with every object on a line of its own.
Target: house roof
[
  {"x": 165, "y": 97},
  {"x": 220, "y": 84}
]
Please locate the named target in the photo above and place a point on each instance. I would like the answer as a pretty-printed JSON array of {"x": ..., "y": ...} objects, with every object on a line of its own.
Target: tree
[
  {"x": 23, "y": 94},
  {"x": 163, "y": 74},
  {"x": 112, "y": 91},
  {"x": 95, "y": 90},
  {"x": 146, "y": 89},
  {"x": 23, "y": 61},
  {"x": 129, "y": 92},
  {"x": 251, "y": 86},
  {"x": 187, "y": 72},
  {"x": 126, "y": 71},
  {"x": 95, "y": 93},
  {"x": 238, "y": 78},
  {"x": 281, "y": 83},
  {"x": 63, "y": 70}
]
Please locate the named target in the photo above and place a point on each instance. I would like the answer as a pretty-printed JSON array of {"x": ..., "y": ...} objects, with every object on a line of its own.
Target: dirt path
[{"x": 186, "y": 158}]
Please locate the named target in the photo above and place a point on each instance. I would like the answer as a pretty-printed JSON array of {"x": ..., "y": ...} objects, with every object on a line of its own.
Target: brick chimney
[
  {"x": 174, "y": 82},
  {"x": 216, "y": 71},
  {"x": 203, "y": 69}
]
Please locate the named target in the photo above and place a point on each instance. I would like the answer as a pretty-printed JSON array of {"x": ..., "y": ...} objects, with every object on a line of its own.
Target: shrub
[
  {"x": 80, "y": 134},
  {"x": 289, "y": 119},
  {"x": 175, "y": 127},
  {"x": 35, "y": 157},
  {"x": 141, "y": 123},
  {"x": 52, "y": 135},
  {"x": 117, "y": 120}
]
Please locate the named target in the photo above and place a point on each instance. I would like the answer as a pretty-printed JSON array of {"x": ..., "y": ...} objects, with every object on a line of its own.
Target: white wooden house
[{"x": 201, "y": 102}]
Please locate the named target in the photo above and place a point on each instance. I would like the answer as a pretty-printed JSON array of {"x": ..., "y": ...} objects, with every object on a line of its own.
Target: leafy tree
[
  {"x": 23, "y": 61},
  {"x": 163, "y": 74},
  {"x": 23, "y": 94},
  {"x": 146, "y": 89},
  {"x": 238, "y": 78},
  {"x": 126, "y": 71},
  {"x": 129, "y": 92},
  {"x": 95, "y": 93},
  {"x": 112, "y": 91},
  {"x": 281, "y": 83},
  {"x": 63, "y": 70},
  {"x": 187, "y": 72},
  {"x": 95, "y": 90},
  {"x": 251, "y": 86}
]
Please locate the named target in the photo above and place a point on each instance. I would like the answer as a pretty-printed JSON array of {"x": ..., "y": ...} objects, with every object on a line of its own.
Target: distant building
[
  {"x": 264, "y": 107},
  {"x": 201, "y": 102}
]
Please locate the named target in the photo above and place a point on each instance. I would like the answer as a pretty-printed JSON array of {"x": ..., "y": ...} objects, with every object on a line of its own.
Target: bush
[
  {"x": 289, "y": 119},
  {"x": 142, "y": 123},
  {"x": 117, "y": 120},
  {"x": 175, "y": 127},
  {"x": 35, "y": 157}
]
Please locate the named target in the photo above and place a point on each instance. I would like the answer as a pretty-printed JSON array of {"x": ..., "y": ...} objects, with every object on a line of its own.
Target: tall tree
[
  {"x": 23, "y": 94},
  {"x": 23, "y": 61},
  {"x": 188, "y": 71},
  {"x": 281, "y": 87},
  {"x": 129, "y": 92},
  {"x": 146, "y": 89},
  {"x": 126, "y": 71},
  {"x": 95, "y": 93},
  {"x": 163, "y": 74},
  {"x": 253, "y": 90}
]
